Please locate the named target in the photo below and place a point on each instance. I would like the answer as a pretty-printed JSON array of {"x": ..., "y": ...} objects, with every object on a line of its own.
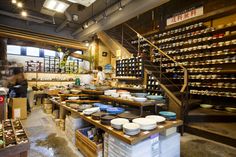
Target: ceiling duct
[{"x": 64, "y": 23}]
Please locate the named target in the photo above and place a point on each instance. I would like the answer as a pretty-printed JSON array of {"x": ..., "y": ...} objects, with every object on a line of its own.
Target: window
[
  {"x": 49, "y": 53},
  {"x": 32, "y": 51},
  {"x": 13, "y": 49}
]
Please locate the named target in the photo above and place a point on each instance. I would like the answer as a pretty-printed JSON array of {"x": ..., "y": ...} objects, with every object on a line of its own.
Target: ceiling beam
[{"x": 134, "y": 8}]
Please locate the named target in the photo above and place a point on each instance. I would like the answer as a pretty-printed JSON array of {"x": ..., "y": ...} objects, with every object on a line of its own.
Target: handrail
[{"x": 163, "y": 53}]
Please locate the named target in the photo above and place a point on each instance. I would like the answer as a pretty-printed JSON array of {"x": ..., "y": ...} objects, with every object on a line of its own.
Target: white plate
[
  {"x": 90, "y": 111},
  {"x": 73, "y": 98},
  {"x": 145, "y": 123},
  {"x": 157, "y": 118},
  {"x": 139, "y": 99}
]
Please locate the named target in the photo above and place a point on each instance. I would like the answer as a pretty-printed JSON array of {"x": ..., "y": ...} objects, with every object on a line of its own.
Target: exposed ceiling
[{"x": 100, "y": 15}]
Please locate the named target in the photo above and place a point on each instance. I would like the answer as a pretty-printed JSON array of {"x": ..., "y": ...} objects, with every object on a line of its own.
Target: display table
[{"x": 119, "y": 134}]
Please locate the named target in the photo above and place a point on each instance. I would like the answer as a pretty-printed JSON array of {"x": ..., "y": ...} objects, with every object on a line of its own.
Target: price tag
[
  {"x": 174, "y": 122},
  {"x": 146, "y": 132},
  {"x": 127, "y": 136},
  {"x": 110, "y": 128},
  {"x": 161, "y": 126}
]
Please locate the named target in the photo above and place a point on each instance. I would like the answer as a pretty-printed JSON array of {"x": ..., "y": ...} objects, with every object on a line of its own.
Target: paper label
[{"x": 16, "y": 113}]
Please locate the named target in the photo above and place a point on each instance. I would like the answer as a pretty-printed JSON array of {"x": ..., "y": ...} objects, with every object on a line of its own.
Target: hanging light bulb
[
  {"x": 19, "y": 4},
  {"x": 120, "y": 6},
  {"x": 13, "y": 1},
  {"x": 24, "y": 13}
]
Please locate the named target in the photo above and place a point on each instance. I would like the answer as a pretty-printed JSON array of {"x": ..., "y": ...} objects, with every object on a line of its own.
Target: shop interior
[{"x": 117, "y": 78}]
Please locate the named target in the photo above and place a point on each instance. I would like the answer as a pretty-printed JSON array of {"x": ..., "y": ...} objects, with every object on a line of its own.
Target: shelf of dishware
[
  {"x": 51, "y": 80},
  {"x": 210, "y": 86},
  {"x": 202, "y": 70},
  {"x": 130, "y": 67},
  {"x": 132, "y": 140},
  {"x": 131, "y": 78},
  {"x": 152, "y": 87},
  {"x": 14, "y": 140},
  {"x": 213, "y": 93}
]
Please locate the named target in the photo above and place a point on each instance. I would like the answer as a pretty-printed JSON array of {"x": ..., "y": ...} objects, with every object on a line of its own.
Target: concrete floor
[{"x": 49, "y": 141}]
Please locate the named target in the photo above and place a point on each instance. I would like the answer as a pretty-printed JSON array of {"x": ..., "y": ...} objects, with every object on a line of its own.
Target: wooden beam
[
  {"x": 73, "y": 54},
  {"x": 11, "y": 32}
]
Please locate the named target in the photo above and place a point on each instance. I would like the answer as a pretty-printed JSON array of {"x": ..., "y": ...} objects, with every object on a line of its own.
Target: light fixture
[
  {"x": 13, "y": 1},
  {"x": 87, "y": 44},
  {"x": 86, "y": 25},
  {"x": 56, "y": 5},
  {"x": 19, "y": 4},
  {"x": 120, "y": 6},
  {"x": 24, "y": 13}
]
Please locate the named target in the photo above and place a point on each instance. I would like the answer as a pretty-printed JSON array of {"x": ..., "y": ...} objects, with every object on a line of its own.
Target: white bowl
[
  {"x": 139, "y": 99},
  {"x": 118, "y": 123},
  {"x": 157, "y": 118},
  {"x": 131, "y": 128},
  {"x": 73, "y": 98}
]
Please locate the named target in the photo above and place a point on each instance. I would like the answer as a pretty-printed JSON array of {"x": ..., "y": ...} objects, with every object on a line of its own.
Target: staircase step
[
  {"x": 210, "y": 115},
  {"x": 193, "y": 103},
  {"x": 220, "y": 132},
  {"x": 174, "y": 87}
]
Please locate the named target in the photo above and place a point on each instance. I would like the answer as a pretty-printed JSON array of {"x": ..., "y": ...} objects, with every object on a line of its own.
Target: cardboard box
[{"x": 19, "y": 108}]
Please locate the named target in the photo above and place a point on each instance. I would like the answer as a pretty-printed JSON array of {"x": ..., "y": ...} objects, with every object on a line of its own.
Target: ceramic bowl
[
  {"x": 131, "y": 129},
  {"x": 139, "y": 99},
  {"x": 140, "y": 95},
  {"x": 115, "y": 95},
  {"x": 115, "y": 110},
  {"x": 91, "y": 110},
  {"x": 206, "y": 106},
  {"x": 145, "y": 123},
  {"x": 118, "y": 123},
  {"x": 230, "y": 109}
]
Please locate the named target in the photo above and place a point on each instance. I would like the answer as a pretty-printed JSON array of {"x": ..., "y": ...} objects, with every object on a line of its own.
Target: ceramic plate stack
[
  {"x": 168, "y": 115},
  {"x": 130, "y": 115},
  {"x": 115, "y": 110},
  {"x": 118, "y": 123},
  {"x": 91, "y": 110},
  {"x": 102, "y": 107},
  {"x": 139, "y": 99},
  {"x": 158, "y": 119},
  {"x": 98, "y": 115},
  {"x": 145, "y": 123},
  {"x": 109, "y": 92},
  {"x": 106, "y": 119},
  {"x": 131, "y": 129},
  {"x": 84, "y": 107}
]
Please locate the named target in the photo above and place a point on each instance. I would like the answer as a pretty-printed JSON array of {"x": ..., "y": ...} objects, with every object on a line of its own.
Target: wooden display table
[{"x": 120, "y": 135}]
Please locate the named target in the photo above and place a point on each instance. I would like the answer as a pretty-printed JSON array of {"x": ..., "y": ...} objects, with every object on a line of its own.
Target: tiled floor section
[{"x": 48, "y": 141}]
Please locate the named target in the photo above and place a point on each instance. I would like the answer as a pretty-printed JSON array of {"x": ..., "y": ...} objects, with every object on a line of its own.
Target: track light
[
  {"x": 120, "y": 6},
  {"x": 86, "y": 25},
  {"x": 19, "y": 4},
  {"x": 24, "y": 13},
  {"x": 13, "y": 1}
]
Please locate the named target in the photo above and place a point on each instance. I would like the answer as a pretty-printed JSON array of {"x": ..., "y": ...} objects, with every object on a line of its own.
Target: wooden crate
[{"x": 87, "y": 147}]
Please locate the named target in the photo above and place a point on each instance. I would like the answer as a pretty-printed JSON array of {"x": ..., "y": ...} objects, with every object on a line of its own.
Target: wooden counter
[{"x": 119, "y": 134}]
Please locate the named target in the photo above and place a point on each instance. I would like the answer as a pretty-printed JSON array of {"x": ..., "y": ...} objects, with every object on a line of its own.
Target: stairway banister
[{"x": 163, "y": 53}]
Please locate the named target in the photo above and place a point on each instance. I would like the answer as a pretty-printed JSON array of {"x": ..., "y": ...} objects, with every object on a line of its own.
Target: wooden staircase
[{"x": 180, "y": 100}]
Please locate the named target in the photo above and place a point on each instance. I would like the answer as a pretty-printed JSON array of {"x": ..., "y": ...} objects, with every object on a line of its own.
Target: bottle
[{"x": 77, "y": 81}]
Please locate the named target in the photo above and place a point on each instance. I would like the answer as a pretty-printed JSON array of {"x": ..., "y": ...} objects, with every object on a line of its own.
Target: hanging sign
[
  {"x": 1, "y": 99},
  {"x": 185, "y": 15}
]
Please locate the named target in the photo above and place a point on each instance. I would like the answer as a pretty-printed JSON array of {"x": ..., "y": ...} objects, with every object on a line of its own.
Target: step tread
[
  {"x": 209, "y": 112},
  {"x": 223, "y": 129}
]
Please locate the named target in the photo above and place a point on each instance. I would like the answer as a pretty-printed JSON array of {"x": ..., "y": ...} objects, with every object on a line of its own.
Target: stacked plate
[
  {"x": 91, "y": 110},
  {"x": 131, "y": 129},
  {"x": 130, "y": 115},
  {"x": 102, "y": 107},
  {"x": 139, "y": 99},
  {"x": 106, "y": 119},
  {"x": 155, "y": 97},
  {"x": 98, "y": 115},
  {"x": 168, "y": 115},
  {"x": 109, "y": 92},
  {"x": 158, "y": 119},
  {"x": 115, "y": 110},
  {"x": 118, "y": 123},
  {"x": 84, "y": 107},
  {"x": 145, "y": 123}
]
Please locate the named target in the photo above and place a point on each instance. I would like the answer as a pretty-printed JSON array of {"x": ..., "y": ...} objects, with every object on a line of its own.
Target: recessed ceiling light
[
  {"x": 19, "y": 4},
  {"x": 13, "y": 1},
  {"x": 24, "y": 13},
  {"x": 56, "y": 5}
]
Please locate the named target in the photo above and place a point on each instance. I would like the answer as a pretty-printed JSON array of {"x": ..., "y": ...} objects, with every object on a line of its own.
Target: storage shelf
[
  {"x": 204, "y": 86},
  {"x": 128, "y": 78},
  {"x": 50, "y": 81}
]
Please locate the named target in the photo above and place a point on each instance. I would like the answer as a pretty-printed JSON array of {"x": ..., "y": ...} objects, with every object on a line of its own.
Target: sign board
[
  {"x": 185, "y": 15},
  {"x": 1, "y": 99}
]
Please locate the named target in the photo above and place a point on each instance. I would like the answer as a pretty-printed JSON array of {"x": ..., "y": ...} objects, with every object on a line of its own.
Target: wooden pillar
[{"x": 96, "y": 55}]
